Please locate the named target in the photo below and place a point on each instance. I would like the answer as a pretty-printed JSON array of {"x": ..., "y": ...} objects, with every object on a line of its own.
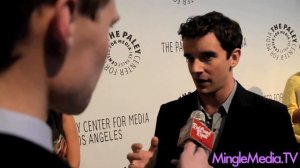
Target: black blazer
[
  {"x": 253, "y": 124},
  {"x": 16, "y": 152}
]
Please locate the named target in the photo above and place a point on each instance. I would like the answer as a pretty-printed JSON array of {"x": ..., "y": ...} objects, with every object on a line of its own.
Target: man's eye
[
  {"x": 207, "y": 56},
  {"x": 189, "y": 59}
]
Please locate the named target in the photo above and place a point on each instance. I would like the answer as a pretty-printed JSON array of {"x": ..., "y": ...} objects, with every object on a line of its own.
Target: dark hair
[
  {"x": 227, "y": 31},
  {"x": 15, "y": 16},
  {"x": 89, "y": 8}
]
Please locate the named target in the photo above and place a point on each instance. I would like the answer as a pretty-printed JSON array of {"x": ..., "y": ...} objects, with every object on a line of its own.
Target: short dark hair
[
  {"x": 227, "y": 31},
  {"x": 15, "y": 16}
]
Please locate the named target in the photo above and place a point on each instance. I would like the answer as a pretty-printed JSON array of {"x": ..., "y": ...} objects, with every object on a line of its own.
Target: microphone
[{"x": 196, "y": 130}]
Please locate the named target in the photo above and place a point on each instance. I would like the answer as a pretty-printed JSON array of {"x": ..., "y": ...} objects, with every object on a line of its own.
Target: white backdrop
[{"x": 145, "y": 67}]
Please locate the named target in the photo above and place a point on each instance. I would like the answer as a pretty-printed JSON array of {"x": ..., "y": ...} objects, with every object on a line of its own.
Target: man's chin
[
  {"x": 202, "y": 90},
  {"x": 73, "y": 107}
]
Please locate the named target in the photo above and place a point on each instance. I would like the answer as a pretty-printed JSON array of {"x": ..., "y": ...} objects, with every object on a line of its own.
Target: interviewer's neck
[{"x": 23, "y": 86}]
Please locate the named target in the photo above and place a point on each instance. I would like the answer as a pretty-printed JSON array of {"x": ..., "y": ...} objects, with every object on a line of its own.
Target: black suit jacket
[
  {"x": 253, "y": 125},
  {"x": 16, "y": 152}
]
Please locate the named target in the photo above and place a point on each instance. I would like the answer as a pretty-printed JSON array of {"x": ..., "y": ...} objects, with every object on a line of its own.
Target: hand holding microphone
[
  {"x": 196, "y": 131},
  {"x": 193, "y": 157},
  {"x": 195, "y": 137}
]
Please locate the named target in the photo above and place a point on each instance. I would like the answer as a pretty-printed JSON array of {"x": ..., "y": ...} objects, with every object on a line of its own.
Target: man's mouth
[{"x": 201, "y": 81}]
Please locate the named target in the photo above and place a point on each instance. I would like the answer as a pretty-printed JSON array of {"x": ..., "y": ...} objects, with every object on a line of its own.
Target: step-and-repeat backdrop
[{"x": 145, "y": 67}]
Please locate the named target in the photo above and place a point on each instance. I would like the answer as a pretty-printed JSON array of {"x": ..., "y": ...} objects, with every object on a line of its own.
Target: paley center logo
[
  {"x": 124, "y": 53},
  {"x": 183, "y": 2},
  {"x": 281, "y": 41}
]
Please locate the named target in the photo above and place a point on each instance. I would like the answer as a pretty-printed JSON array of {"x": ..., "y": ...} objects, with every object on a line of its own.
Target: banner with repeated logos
[{"x": 145, "y": 67}]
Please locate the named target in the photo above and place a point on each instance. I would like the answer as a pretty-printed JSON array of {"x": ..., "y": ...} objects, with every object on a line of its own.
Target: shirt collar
[
  {"x": 26, "y": 127},
  {"x": 228, "y": 101}
]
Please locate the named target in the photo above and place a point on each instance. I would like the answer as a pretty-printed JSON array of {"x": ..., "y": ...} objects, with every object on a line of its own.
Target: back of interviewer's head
[
  {"x": 15, "y": 18},
  {"x": 227, "y": 31}
]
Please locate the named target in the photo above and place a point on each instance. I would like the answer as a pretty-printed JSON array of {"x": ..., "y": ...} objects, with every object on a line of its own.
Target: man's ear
[
  {"x": 235, "y": 57},
  {"x": 62, "y": 23},
  {"x": 58, "y": 36}
]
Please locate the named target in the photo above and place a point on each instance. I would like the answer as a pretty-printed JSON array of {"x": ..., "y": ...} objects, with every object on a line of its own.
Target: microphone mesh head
[{"x": 198, "y": 115}]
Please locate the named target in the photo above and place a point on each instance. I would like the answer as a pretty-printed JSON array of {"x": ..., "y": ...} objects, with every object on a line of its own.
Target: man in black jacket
[{"x": 249, "y": 129}]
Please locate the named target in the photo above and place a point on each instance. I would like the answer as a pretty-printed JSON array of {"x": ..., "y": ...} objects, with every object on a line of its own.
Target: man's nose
[{"x": 196, "y": 66}]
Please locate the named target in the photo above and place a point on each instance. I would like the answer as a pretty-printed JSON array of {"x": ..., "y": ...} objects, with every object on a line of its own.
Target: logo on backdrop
[
  {"x": 281, "y": 41},
  {"x": 183, "y": 2},
  {"x": 124, "y": 53},
  {"x": 177, "y": 46},
  {"x": 110, "y": 129},
  {"x": 171, "y": 46},
  {"x": 274, "y": 96}
]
